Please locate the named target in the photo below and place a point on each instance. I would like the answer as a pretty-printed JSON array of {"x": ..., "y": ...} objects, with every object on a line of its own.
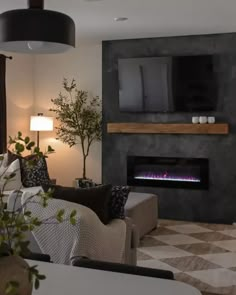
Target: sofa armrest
[
  {"x": 37, "y": 257},
  {"x": 135, "y": 238},
  {"x": 131, "y": 242}
]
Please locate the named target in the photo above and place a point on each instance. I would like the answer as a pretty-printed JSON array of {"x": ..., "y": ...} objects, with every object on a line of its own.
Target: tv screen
[{"x": 168, "y": 84}]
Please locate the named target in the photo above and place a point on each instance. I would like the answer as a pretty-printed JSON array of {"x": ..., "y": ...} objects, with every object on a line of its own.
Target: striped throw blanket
[{"x": 88, "y": 238}]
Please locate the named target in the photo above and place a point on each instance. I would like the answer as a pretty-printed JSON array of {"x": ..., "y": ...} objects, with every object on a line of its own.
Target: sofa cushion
[
  {"x": 34, "y": 170},
  {"x": 3, "y": 160},
  {"x": 13, "y": 183},
  {"x": 118, "y": 201},
  {"x": 96, "y": 198},
  {"x": 35, "y": 174}
]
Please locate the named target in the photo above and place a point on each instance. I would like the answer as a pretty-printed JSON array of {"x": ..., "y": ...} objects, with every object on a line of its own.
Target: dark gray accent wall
[{"x": 218, "y": 204}]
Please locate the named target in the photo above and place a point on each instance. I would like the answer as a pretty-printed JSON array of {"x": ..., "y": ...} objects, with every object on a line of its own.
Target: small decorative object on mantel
[
  {"x": 202, "y": 119},
  {"x": 195, "y": 120},
  {"x": 211, "y": 120}
]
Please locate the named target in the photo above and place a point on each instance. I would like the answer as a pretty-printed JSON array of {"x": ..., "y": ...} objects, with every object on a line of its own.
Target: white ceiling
[{"x": 147, "y": 18}]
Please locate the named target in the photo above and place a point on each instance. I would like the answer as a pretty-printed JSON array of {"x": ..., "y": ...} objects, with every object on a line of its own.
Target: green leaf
[
  {"x": 36, "y": 221},
  {"x": 11, "y": 140},
  {"x": 73, "y": 213},
  {"x": 41, "y": 277},
  {"x": 36, "y": 150},
  {"x": 72, "y": 217},
  {"x": 27, "y": 213},
  {"x": 30, "y": 145},
  {"x": 72, "y": 221},
  {"x": 8, "y": 177},
  {"x": 27, "y": 140},
  {"x": 60, "y": 214},
  {"x": 50, "y": 149},
  {"x": 36, "y": 284},
  {"x": 12, "y": 288},
  {"x": 19, "y": 147}
]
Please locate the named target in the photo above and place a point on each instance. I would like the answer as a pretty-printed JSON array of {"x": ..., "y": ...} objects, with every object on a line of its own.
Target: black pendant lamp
[{"x": 36, "y": 30}]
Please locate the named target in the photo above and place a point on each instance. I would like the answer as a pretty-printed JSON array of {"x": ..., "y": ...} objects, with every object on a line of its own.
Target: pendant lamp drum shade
[{"x": 36, "y": 31}]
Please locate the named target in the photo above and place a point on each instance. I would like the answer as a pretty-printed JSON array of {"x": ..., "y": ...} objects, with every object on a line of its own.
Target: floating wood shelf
[{"x": 222, "y": 128}]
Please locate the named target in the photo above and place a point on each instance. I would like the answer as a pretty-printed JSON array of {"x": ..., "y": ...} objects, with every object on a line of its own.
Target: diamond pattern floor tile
[
  {"x": 178, "y": 239},
  {"x": 230, "y": 232},
  {"x": 199, "y": 254},
  {"x": 223, "y": 259},
  {"x": 161, "y": 252},
  {"x": 162, "y": 231},
  {"x": 190, "y": 263},
  {"x": 220, "y": 277},
  {"x": 155, "y": 263},
  {"x": 216, "y": 227},
  {"x": 189, "y": 228},
  {"x": 202, "y": 248},
  {"x": 203, "y": 287},
  {"x": 167, "y": 222},
  {"x": 142, "y": 256},
  {"x": 150, "y": 242},
  {"x": 228, "y": 245},
  {"x": 212, "y": 236}
]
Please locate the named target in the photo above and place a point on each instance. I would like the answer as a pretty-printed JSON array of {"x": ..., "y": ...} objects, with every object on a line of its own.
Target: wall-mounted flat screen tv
[{"x": 168, "y": 84}]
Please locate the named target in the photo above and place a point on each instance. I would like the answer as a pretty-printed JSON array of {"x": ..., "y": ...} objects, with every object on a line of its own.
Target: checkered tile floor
[{"x": 200, "y": 254}]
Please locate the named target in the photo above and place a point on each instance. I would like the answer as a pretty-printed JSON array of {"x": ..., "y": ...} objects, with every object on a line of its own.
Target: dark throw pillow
[
  {"x": 118, "y": 201},
  {"x": 34, "y": 170},
  {"x": 35, "y": 174},
  {"x": 96, "y": 198},
  {"x": 11, "y": 157}
]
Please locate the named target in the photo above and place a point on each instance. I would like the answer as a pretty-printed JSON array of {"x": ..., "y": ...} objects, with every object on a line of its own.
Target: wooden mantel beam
[{"x": 168, "y": 128}]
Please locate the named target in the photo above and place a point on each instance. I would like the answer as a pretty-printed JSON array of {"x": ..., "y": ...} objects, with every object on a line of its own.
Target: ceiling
[{"x": 146, "y": 18}]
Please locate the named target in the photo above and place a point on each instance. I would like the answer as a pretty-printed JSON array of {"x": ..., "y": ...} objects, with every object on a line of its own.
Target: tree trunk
[{"x": 84, "y": 166}]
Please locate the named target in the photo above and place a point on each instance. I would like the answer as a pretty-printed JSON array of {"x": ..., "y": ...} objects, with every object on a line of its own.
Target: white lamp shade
[{"x": 41, "y": 123}]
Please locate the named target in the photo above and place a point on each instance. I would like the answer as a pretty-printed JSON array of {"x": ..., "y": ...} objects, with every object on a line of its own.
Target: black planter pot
[{"x": 84, "y": 183}]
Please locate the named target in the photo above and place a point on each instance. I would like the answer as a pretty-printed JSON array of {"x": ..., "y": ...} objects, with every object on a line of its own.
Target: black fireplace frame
[{"x": 138, "y": 160}]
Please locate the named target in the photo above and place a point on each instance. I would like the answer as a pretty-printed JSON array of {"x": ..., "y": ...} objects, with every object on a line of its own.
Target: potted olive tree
[
  {"x": 17, "y": 277},
  {"x": 80, "y": 118}
]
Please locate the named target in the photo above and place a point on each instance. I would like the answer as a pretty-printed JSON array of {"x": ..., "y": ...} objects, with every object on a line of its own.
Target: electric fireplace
[{"x": 189, "y": 173}]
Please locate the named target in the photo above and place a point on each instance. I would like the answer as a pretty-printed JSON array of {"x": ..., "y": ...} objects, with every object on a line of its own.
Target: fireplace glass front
[{"x": 191, "y": 173}]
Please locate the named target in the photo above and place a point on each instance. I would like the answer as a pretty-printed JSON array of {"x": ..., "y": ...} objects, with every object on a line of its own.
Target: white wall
[
  {"x": 85, "y": 65},
  {"x": 20, "y": 93}
]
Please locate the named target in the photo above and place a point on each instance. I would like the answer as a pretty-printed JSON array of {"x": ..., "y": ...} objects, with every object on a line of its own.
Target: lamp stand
[{"x": 37, "y": 139}]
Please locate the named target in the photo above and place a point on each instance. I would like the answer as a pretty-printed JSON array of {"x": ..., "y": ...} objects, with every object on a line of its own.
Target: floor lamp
[{"x": 41, "y": 123}]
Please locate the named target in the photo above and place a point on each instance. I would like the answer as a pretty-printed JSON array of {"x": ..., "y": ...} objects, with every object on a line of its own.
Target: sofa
[{"x": 131, "y": 238}]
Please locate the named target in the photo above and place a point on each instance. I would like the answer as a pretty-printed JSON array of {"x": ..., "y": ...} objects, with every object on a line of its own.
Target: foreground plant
[{"x": 15, "y": 223}]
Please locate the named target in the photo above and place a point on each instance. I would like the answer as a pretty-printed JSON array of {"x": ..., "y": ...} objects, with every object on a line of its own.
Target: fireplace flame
[{"x": 165, "y": 176}]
